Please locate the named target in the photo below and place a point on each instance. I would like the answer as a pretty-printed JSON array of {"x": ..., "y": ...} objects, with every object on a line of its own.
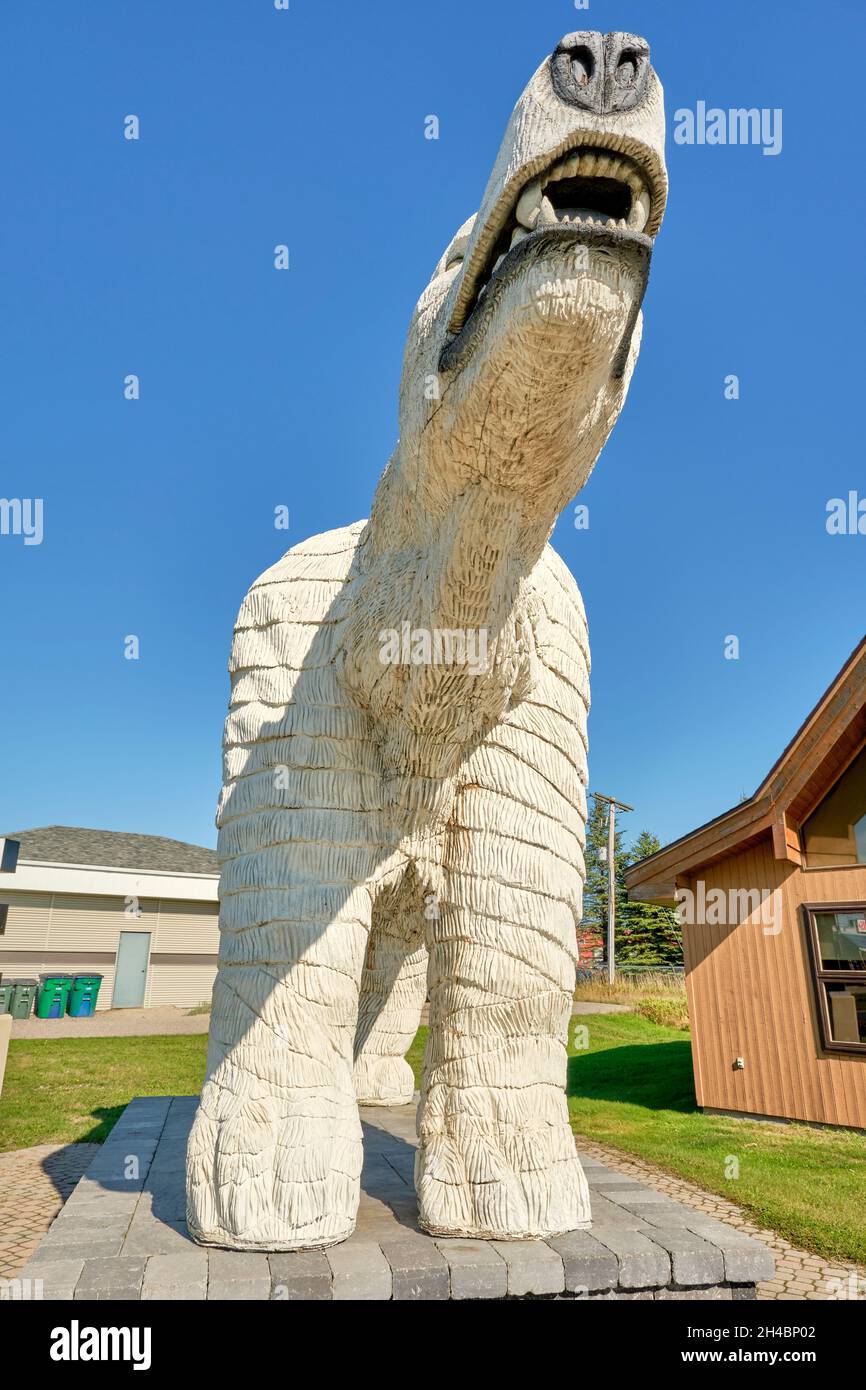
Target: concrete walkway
[
  {"x": 141, "y": 1023},
  {"x": 590, "y": 1006},
  {"x": 112, "y": 1023}
]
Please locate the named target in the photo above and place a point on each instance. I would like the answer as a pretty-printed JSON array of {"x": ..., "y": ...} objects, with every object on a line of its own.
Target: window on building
[
  {"x": 835, "y": 833},
  {"x": 838, "y": 947}
]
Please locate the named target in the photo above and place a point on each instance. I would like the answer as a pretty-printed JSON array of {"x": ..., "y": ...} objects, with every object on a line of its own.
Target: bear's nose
[{"x": 601, "y": 72}]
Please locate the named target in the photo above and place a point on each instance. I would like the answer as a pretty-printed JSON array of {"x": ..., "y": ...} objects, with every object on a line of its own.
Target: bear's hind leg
[
  {"x": 393, "y": 991},
  {"x": 497, "y": 1157}
]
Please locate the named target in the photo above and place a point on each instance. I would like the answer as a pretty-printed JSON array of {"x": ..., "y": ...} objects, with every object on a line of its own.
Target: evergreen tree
[{"x": 647, "y": 933}]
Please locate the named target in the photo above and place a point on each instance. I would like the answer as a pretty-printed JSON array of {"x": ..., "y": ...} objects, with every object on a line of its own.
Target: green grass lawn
[
  {"x": 72, "y": 1090},
  {"x": 631, "y": 1088}
]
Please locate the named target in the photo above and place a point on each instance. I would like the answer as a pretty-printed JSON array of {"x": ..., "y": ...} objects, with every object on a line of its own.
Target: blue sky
[{"x": 261, "y": 388}]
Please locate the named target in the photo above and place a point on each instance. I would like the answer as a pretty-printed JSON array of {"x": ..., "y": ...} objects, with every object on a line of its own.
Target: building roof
[
  {"x": 115, "y": 849},
  {"x": 815, "y": 758}
]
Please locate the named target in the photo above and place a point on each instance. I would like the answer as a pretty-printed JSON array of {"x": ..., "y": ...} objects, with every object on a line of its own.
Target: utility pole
[{"x": 611, "y": 877}]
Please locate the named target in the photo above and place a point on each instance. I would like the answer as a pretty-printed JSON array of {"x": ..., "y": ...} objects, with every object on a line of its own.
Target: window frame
[
  {"x": 803, "y": 820},
  {"x": 820, "y": 976}
]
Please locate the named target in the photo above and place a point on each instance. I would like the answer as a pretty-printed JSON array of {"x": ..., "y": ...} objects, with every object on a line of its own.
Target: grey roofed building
[
  {"x": 72, "y": 844},
  {"x": 140, "y": 911}
]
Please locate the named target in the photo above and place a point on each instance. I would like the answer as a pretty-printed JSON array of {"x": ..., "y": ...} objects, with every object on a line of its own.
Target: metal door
[{"x": 130, "y": 975}]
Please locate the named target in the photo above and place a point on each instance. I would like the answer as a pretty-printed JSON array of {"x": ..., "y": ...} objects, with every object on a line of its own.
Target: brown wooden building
[{"x": 772, "y": 896}]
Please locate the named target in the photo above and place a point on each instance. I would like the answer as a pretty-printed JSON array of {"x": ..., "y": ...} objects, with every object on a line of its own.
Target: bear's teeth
[
  {"x": 640, "y": 210},
  {"x": 529, "y": 205}
]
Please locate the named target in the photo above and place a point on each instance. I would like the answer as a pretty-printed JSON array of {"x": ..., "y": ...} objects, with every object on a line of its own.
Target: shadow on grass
[
  {"x": 657, "y": 1076},
  {"x": 106, "y": 1118}
]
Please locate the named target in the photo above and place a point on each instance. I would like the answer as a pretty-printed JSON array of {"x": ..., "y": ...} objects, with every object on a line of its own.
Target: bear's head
[{"x": 522, "y": 345}]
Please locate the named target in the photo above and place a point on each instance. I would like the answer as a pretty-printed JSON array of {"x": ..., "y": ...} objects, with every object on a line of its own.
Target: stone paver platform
[{"x": 122, "y": 1235}]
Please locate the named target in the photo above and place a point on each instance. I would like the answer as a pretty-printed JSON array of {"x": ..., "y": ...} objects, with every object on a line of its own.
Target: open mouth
[
  {"x": 590, "y": 195},
  {"x": 586, "y": 189}
]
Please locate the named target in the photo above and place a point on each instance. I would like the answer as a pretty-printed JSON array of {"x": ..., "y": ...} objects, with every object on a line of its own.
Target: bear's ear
[{"x": 456, "y": 248}]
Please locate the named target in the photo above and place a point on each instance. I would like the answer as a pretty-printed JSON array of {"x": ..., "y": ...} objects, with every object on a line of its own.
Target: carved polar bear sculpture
[{"x": 405, "y": 749}]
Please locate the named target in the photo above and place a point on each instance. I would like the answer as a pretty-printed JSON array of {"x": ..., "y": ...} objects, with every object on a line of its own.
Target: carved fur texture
[{"x": 405, "y": 754}]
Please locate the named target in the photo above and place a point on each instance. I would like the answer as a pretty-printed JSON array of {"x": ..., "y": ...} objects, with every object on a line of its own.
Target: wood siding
[
  {"x": 73, "y": 933},
  {"x": 751, "y": 995}
]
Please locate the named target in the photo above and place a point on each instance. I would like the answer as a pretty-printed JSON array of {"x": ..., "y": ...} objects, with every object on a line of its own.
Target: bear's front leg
[
  {"x": 497, "y": 1158},
  {"x": 274, "y": 1157}
]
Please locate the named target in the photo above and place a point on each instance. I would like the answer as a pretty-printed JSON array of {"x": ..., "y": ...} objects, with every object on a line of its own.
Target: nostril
[
  {"x": 582, "y": 66},
  {"x": 626, "y": 70},
  {"x": 577, "y": 69}
]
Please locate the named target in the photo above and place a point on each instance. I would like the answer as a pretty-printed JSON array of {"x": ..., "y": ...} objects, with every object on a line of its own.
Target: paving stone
[
  {"x": 746, "y": 1261},
  {"x": 642, "y": 1263},
  {"x": 587, "y": 1263},
  {"x": 405, "y": 1211},
  {"x": 613, "y": 1183},
  {"x": 236, "y": 1274},
  {"x": 533, "y": 1266},
  {"x": 153, "y": 1237},
  {"x": 90, "y": 1246},
  {"x": 112, "y": 1207},
  {"x": 178, "y": 1276},
  {"x": 693, "y": 1260},
  {"x": 418, "y": 1269},
  {"x": 52, "y": 1280},
  {"x": 116, "y": 1159},
  {"x": 92, "y": 1189},
  {"x": 609, "y": 1213},
  {"x": 165, "y": 1164},
  {"x": 72, "y": 1232},
  {"x": 163, "y": 1204},
  {"x": 634, "y": 1192},
  {"x": 238, "y": 1264},
  {"x": 360, "y": 1271},
  {"x": 660, "y": 1213},
  {"x": 115, "y": 1279},
  {"x": 300, "y": 1274}
]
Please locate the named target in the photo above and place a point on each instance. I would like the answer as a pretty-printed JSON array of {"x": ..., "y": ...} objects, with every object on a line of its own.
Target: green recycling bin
[
  {"x": 6, "y": 991},
  {"x": 83, "y": 995},
  {"x": 23, "y": 994},
  {"x": 53, "y": 990}
]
